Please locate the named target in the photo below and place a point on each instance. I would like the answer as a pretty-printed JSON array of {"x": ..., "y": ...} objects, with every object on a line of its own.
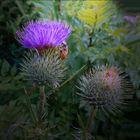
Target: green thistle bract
[
  {"x": 105, "y": 88},
  {"x": 43, "y": 69}
]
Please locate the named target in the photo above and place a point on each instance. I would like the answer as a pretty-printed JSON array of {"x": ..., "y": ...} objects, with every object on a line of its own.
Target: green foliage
[
  {"x": 13, "y": 13},
  {"x": 10, "y": 80},
  {"x": 9, "y": 18},
  {"x": 43, "y": 8}
]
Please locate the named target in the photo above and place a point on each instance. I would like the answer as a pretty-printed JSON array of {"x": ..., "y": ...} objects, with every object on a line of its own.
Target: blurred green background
[{"x": 110, "y": 39}]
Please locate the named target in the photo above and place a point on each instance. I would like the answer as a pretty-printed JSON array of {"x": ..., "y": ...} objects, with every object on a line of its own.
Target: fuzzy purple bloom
[
  {"x": 131, "y": 19},
  {"x": 42, "y": 34}
]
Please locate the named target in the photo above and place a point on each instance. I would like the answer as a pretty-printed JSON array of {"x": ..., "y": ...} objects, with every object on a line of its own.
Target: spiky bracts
[
  {"x": 83, "y": 136},
  {"x": 43, "y": 34},
  {"x": 44, "y": 69},
  {"x": 105, "y": 88}
]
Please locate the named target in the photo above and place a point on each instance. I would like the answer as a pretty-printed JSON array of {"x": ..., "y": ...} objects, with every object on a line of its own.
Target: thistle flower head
[
  {"x": 105, "y": 88},
  {"x": 46, "y": 69},
  {"x": 41, "y": 34}
]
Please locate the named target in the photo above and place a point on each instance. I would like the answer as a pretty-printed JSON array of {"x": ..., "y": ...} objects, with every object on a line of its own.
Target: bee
[{"x": 63, "y": 51}]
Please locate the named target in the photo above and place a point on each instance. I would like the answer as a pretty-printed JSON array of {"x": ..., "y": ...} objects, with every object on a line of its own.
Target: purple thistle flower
[
  {"x": 131, "y": 19},
  {"x": 42, "y": 34}
]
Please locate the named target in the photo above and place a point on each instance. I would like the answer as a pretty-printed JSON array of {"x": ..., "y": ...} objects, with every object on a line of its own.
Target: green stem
[
  {"x": 59, "y": 7},
  {"x": 92, "y": 33},
  {"x": 129, "y": 43},
  {"x": 33, "y": 116},
  {"x": 20, "y": 7},
  {"x": 42, "y": 100},
  {"x": 90, "y": 40},
  {"x": 69, "y": 79},
  {"x": 91, "y": 117}
]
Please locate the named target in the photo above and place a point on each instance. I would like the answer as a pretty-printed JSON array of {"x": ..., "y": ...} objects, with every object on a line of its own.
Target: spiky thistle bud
[
  {"x": 105, "y": 88},
  {"x": 45, "y": 68}
]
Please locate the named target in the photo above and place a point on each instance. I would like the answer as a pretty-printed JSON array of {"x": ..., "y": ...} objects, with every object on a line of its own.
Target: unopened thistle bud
[
  {"x": 105, "y": 88},
  {"x": 46, "y": 69}
]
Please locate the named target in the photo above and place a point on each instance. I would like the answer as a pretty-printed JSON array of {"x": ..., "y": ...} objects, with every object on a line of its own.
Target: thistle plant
[
  {"x": 42, "y": 65},
  {"x": 104, "y": 88}
]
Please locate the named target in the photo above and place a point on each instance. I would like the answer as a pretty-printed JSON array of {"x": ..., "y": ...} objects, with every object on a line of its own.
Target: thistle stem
[
  {"x": 42, "y": 100},
  {"x": 91, "y": 34},
  {"x": 33, "y": 116},
  {"x": 91, "y": 117},
  {"x": 90, "y": 39},
  {"x": 69, "y": 79},
  {"x": 59, "y": 7}
]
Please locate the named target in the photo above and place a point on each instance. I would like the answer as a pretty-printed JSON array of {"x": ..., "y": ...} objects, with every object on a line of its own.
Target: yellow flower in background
[
  {"x": 95, "y": 2},
  {"x": 88, "y": 16},
  {"x": 95, "y": 11}
]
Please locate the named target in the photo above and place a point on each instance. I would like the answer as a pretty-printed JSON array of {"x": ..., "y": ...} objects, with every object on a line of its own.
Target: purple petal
[
  {"x": 131, "y": 19},
  {"x": 41, "y": 34}
]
